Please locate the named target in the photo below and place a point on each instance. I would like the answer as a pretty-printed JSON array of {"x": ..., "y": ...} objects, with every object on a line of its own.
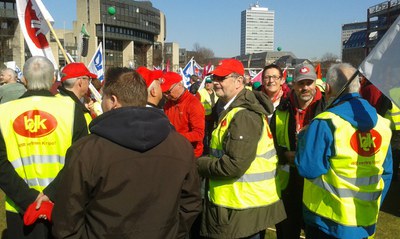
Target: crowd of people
[{"x": 227, "y": 160}]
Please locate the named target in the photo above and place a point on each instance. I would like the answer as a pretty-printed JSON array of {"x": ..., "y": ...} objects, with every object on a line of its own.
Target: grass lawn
[{"x": 388, "y": 222}]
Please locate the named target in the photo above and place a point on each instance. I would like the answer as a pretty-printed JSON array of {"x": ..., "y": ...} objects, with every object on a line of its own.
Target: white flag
[
  {"x": 382, "y": 65},
  {"x": 96, "y": 65},
  {"x": 32, "y": 16}
]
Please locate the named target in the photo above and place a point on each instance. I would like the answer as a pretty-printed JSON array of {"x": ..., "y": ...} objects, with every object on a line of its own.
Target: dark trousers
[
  {"x": 17, "y": 230},
  {"x": 292, "y": 198},
  {"x": 396, "y": 159}
]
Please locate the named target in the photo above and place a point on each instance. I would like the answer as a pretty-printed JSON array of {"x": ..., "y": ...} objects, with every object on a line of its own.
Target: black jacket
[{"x": 133, "y": 177}]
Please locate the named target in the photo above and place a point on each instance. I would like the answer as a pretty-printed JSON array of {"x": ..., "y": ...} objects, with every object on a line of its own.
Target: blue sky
[{"x": 308, "y": 28}]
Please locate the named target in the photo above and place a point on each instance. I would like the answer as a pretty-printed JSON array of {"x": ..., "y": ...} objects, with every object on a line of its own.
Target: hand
[
  {"x": 290, "y": 155},
  {"x": 41, "y": 198}
]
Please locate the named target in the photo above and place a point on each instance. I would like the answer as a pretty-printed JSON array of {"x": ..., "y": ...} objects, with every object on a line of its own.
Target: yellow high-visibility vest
[
  {"x": 87, "y": 115},
  {"x": 350, "y": 192},
  {"x": 282, "y": 137},
  {"x": 206, "y": 101},
  {"x": 37, "y": 134},
  {"x": 393, "y": 115},
  {"x": 257, "y": 187}
]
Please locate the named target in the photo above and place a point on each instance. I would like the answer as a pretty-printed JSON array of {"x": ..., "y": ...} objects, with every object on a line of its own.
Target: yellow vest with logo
[
  {"x": 206, "y": 100},
  {"x": 394, "y": 116},
  {"x": 37, "y": 134},
  {"x": 350, "y": 192},
  {"x": 282, "y": 137},
  {"x": 257, "y": 187},
  {"x": 87, "y": 115}
]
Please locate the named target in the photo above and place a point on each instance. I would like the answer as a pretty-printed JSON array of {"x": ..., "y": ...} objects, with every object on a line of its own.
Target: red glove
[{"x": 31, "y": 214}]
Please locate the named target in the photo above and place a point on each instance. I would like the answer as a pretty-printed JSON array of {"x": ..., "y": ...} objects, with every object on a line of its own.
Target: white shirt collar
[{"x": 229, "y": 103}]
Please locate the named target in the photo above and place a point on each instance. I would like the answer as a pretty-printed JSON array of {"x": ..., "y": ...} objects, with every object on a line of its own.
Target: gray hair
[
  {"x": 14, "y": 76},
  {"x": 39, "y": 73},
  {"x": 69, "y": 83},
  {"x": 338, "y": 75}
]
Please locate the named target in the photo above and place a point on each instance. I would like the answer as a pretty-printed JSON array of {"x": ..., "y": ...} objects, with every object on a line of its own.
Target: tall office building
[{"x": 257, "y": 30}]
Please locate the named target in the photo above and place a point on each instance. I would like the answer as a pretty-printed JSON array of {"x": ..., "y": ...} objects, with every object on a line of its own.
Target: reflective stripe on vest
[
  {"x": 37, "y": 135},
  {"x": 350, "y": 192},
  {"x": 257, "y": 187},
  {"x": 282, "y": 137},
  {"x": 393, "y": 115}
]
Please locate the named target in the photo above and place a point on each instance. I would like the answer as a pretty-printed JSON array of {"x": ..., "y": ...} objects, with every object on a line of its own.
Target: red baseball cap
[
  {"x": 75, "y": 69},
  {"x": 148, "y": 75},
  {"x": 228, "y": 66},
  {"x": 170, "y": 78}
]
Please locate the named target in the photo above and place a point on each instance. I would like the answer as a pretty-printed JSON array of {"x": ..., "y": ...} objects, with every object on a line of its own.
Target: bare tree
[
  {"x": 202, "y": 54},
  {"x": 330, "y": 57}
]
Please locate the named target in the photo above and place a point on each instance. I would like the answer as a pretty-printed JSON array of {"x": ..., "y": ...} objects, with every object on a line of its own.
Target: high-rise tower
[{"x": 257, "y": 30}]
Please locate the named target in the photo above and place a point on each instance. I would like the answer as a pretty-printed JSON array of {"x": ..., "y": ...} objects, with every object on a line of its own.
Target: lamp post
[{"x": 111, "y": 11}]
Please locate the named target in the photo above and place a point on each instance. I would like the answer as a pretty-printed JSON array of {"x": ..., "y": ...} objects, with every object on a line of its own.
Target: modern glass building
[
  {"x": 257, "y": 30},
  {"x": 133, "y": 32},
  {"x": 130, "y": 34}
]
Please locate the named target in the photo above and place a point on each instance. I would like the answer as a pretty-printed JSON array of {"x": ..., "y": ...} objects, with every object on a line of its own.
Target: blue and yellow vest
[
  {"x": 37, "y": 134},
  {"x": 257, "y": 187},
  {"x": 350, "y": 192}
]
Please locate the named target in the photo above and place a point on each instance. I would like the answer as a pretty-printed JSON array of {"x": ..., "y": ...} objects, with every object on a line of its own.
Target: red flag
[
  {"x": 206, "y": 70},
  {"x": 33, "y": 17},
  {"x": 257, "y": 78},
  {"x": 318, "y": 71},
  {"x": 284, "y": 76}
]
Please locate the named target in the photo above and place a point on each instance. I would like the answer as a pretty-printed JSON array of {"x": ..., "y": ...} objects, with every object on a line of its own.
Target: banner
[
  {"x": 96, "y": 65},
  {"x": 382, "y": 65},
  {"x": 187, "y": 72},
  {"x": 33, "y": 17}
]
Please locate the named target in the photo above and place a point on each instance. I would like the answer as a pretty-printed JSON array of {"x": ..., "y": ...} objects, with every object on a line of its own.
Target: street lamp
[{"x": 111, "y": 11}]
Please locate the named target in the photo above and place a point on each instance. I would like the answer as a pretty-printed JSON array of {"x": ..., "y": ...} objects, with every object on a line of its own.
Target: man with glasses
[
  {"x": 242, "y": 199},
  {"x": 292, "y": 114},
  {"x": 75, "y": 80},
  {"x": 184, "y": 111}
]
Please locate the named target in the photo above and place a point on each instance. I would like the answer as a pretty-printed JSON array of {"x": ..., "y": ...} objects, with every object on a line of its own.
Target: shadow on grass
[{"x": 391, "y": 204}]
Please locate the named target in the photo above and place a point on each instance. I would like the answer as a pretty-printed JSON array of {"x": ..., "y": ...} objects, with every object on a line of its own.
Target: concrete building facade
[{"x": 257, "y": 30}]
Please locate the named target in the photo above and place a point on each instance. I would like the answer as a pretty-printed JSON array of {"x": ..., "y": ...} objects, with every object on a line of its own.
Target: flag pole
[
  {"x": 340, "y": 93},
  {"x": 58, "y": 41}
]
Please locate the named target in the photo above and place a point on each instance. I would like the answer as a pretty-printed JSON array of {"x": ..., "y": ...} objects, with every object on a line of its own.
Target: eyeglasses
[
  {"x": 273, "y": 77},
  {"x": 220, "y": 78},
  {"x": 168, "y": 92},
  {"x": 86, "y": 78}
]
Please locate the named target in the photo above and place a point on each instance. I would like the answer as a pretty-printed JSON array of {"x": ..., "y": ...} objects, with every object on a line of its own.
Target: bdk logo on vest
[
  {"x": 366, "y": 144},
  {"x": 34, "y": 124}
]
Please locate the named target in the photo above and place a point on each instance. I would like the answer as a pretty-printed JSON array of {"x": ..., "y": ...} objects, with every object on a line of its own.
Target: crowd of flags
[{"x": 381, "y": 67}]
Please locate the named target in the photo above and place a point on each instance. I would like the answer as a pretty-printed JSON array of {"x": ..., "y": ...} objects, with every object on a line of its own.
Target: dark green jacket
[{"x": 240, "y": 151}]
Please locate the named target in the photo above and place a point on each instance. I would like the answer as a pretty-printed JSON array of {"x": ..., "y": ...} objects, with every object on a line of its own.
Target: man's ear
[{"x": 115, "y": 102}]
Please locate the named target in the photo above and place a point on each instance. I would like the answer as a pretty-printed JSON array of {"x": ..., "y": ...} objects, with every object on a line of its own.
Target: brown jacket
[{"x": 134, "y": 177}]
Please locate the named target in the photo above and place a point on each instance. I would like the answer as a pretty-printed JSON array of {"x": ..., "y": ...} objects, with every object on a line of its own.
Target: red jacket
[{"x": 188, "y": 117}]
